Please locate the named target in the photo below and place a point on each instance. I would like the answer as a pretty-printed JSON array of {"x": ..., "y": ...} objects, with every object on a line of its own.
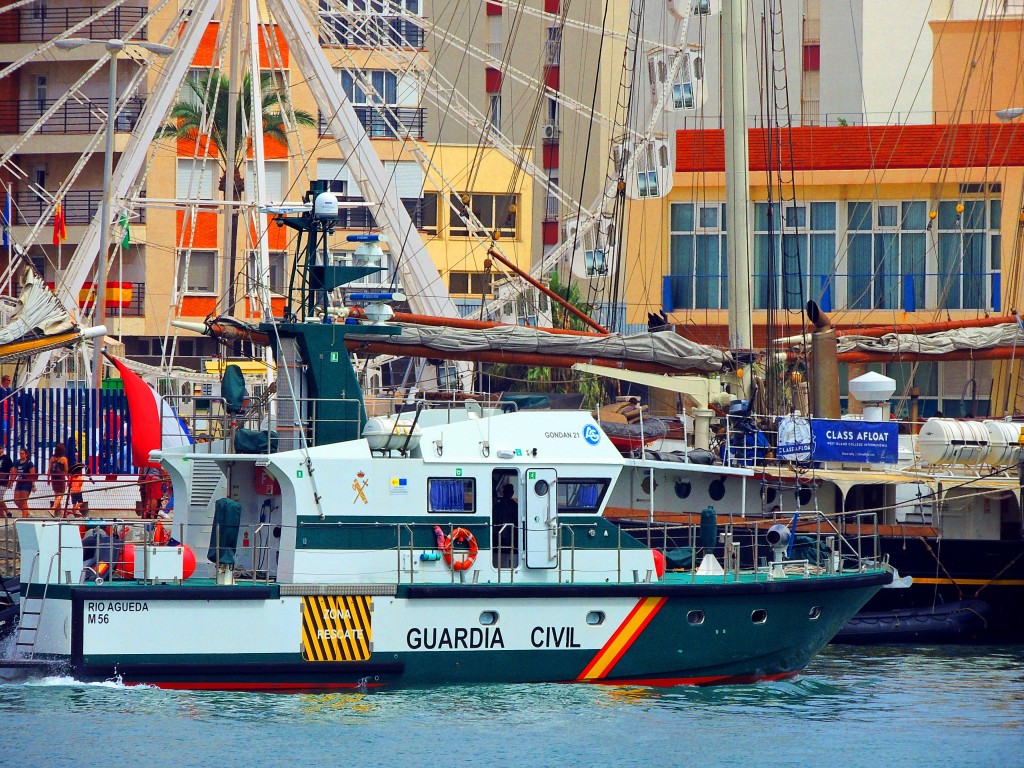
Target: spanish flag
[{"x": 60, "y": 229}]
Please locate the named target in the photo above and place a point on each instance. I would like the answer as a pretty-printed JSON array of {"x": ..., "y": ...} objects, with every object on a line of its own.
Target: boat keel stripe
[{"x": 623, "y": 637}]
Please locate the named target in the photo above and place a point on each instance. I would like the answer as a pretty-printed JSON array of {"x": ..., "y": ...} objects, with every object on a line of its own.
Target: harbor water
[{"x": 892, "y": 707}]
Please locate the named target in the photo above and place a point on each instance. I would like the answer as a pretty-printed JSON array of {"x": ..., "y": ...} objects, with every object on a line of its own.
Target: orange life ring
[{"x": 460, "y": 536}]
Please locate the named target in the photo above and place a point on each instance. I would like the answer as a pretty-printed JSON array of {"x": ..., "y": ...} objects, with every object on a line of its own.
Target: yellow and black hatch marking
[{"x": 337, "y": 628}]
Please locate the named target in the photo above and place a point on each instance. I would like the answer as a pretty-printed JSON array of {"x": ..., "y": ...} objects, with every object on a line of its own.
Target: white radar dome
[
  {"x": 872, "y": 388},
  {"x": 325, "y": 206}
]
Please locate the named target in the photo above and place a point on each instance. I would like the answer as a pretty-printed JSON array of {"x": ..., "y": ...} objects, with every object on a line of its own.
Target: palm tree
[
  {"x": 205, "y": 116},
  {"x": 544, "y": 378}
]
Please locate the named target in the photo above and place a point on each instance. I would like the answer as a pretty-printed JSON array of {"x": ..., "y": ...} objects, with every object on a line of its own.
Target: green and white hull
[{"x": 267, "y": 637}]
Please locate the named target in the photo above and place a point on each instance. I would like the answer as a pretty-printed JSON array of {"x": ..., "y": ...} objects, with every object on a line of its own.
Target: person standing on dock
[
  {"x": 25, "y": 480},
  {"x": 58, "y": 472},
  {"x": 6, "y": 408},
  {"x": 6, "y": 465}
]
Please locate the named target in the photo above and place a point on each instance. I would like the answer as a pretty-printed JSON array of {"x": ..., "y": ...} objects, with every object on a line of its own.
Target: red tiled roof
[{"x": 856, "y": 147}]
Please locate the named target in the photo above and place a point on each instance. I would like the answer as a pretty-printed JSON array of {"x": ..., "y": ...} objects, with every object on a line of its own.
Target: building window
[
  {"x": 697, "y": 260},
  {"x": 193, "y": 89},
  {"x": 428, "y": 212},
  {"x": 451, "y": 494},
  {"x": 196, "y": 179},
  {"x": 372, "y": 23},
  {"x": 494, "y": 111},
  {"x": 197, "y": 272},
  {"x": 470, "y": 283},
  {"x": 369, "y": 90},
  {"x": 496, "y": 213},
  {"x": 964, "y": 265},
  {"x": 959, "y": 388},
  {"x": 275, "y": 180},
  {"x": 275, "y": 279},
  {"x": 41, "y": 93},
  {"x": 794, "y": 254}
]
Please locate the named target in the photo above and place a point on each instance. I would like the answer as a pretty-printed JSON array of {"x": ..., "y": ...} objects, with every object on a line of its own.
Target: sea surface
[{"x": 880, "y": 707}]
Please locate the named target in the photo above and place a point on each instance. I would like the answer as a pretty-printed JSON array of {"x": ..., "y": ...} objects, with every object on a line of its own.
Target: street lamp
[{"x": 113, "y": 46}]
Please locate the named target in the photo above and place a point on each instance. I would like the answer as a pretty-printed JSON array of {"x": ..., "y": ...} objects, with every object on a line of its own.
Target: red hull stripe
[
  {"x": 622, "y": 638},
  {"x": 668, "y": 682}
]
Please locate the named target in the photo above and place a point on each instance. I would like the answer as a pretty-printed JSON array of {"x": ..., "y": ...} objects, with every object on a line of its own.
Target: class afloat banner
[{"x": 854, "y": 441}]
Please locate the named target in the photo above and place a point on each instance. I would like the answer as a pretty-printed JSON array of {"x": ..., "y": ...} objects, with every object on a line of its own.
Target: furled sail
[
  {"x": 668, "y": 350},
  {"x": 944, "y": 342}
]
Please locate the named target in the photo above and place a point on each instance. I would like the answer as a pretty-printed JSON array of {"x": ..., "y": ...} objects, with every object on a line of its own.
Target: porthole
[
  {"x": 595, "y": 618},
  {"x": 716, "y": 490},
  {"x": 760, "y": 616},
  {"x": 541, "y": 487},
  {"x": 815, "y": 613},
  {"x": 804, "y": 496},
  {"x": 695, "y": 617},
  {"x": 769, "y": 496},
  {"x": 489, "y": 618},
  {"x": 683, "y": 489}
]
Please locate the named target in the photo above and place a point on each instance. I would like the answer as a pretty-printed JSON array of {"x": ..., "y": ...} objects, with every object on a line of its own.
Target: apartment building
[
  {"x": 176, "y": 262},
  {"x": 880, "y": 224}
]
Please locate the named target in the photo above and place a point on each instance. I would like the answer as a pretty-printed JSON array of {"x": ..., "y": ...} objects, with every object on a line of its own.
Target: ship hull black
[{"x": 948, "y": 571}]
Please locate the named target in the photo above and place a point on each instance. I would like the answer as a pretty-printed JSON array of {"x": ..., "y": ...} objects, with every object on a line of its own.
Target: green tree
[{"x": 205, "y": 116}]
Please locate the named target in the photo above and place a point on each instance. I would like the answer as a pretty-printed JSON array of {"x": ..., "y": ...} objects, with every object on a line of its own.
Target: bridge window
[
  {"x": 580, "y": 494},
  {"x": 451, "y": 494}
]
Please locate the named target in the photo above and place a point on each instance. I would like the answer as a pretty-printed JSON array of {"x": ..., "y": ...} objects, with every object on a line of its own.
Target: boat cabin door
[{"x": 541, "y": 513}]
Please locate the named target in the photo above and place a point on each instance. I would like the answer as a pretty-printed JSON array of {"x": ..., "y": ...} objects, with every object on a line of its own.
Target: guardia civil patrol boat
[{"x": 455, "y": 545}]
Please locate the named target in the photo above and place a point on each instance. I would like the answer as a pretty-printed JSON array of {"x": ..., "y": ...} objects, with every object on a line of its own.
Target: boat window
[
  {"x": 815, "y": 613},
  {"x": 695, "y": 617},
  {"x": 580, "y": 494},
  {"x": 489, "y": 618},
  {"x": 760, "y": 616},
  {"x": 451, "y": 494},
  {"x": 595, "y": 618}
]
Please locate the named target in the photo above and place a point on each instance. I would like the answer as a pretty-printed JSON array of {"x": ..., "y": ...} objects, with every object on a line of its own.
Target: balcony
[
  {"x": 136, "y": 307},
  {"x": 846, "y": 291},
  {"x": 394, "y": 123},
  {"x": 44, "y": 22},
  {"x": 361, "y": 218},
  {"x": 80, "y": 205},
  {"x": 369, "y": 31},
  {"x": 72, "y": 118}
]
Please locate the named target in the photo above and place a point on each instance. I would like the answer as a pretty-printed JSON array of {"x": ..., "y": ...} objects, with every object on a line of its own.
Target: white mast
[{"x": 737, "y": 172}]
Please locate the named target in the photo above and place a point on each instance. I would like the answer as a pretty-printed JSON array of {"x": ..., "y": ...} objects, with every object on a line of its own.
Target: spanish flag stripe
[
  {"x": 585, "y": 674},
  {"x": 634, "y": 635},
  {"x": 622, "y": 638}
]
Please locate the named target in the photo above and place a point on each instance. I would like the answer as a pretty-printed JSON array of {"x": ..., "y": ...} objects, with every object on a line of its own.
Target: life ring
[{"x": 460, "y": 536}]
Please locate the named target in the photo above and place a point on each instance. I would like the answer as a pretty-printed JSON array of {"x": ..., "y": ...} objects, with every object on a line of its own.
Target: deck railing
[{"x": 413, "y": 554}]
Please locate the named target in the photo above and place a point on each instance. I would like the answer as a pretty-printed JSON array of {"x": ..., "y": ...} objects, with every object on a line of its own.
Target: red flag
[{"x": 60, "y": 229}]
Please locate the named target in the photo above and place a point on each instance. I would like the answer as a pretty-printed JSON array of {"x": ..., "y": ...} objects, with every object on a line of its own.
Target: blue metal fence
[{"x": 93, "y": 425}]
